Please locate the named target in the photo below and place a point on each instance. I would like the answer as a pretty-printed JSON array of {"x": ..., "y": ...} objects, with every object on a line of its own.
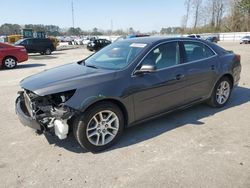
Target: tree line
[
  {"x": 53, "y": 30},
  {"x": 201, "y": 16},
  {"x": 216, "y": 16}
]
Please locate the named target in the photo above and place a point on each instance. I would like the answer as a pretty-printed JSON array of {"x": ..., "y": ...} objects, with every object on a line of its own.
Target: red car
[{"x": 11, "y": 55}]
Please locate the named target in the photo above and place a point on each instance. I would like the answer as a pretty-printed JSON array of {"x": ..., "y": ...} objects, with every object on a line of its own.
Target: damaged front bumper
[
  {"x": 23, "y": 116},
  {"x": 40, "y": 114}
]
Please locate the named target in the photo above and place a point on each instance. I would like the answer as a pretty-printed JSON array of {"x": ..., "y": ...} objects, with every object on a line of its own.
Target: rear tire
[
  {"x": 221, "y": 93},
  {"x": 47, "y": 51},
  {"x": 97, "y": 132}
]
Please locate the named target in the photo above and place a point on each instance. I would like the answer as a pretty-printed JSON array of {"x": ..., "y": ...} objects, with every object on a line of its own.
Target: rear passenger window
[
  {"x": 29, "y": 41},
  {"x": 197, "y": 51}
]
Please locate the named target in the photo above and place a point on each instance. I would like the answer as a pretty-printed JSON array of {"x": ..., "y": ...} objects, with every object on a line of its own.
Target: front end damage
[{"x": 45, "y": 113}]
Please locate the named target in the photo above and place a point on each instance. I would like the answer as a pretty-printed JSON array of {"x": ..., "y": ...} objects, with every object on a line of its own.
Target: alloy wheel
[
  {"x": 102, "y": 128},
  {"x": 223, "y": 92}
]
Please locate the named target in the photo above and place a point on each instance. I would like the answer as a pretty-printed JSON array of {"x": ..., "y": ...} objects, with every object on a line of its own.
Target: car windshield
[
  {"x": 19, "y": 41},
  {"x": 115, "y": 56}
]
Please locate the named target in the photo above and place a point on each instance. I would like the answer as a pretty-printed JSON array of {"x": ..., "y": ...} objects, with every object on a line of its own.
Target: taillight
[{"x": 237, "y": 57}]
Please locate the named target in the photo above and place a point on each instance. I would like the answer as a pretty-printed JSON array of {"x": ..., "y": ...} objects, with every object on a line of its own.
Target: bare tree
[
  {"x": 196, "y": 6},
  {"x": 213, "y": 13},
  {"x": 216, "y": 10},
  {"x": 187, "y": 5},
  {"x": 219, "y": 11}
]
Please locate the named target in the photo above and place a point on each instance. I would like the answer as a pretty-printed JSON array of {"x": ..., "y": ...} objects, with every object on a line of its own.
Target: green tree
[
  {"x": 96, "y": 32},
  {"x": 9, "y": 29},
  {"x": 74, "y": 31},
  {"x": 244, "y": 7}
]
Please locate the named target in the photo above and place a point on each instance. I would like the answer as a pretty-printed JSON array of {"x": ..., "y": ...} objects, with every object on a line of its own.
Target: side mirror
[{"x": 146, "y": 69}]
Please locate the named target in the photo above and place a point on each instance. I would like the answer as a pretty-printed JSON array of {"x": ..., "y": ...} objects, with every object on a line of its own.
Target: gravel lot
[{"x": 197, "y": 147}]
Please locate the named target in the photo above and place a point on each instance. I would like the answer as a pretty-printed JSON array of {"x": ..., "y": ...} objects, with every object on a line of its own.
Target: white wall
[{"x": 233, "y": 36}]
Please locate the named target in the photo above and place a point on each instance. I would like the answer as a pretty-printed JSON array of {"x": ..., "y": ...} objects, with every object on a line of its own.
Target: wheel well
[
  {"x": 117, "y": 103},
  {"x": 10, "y": 57},
  {"x": 230, "y": 77}
]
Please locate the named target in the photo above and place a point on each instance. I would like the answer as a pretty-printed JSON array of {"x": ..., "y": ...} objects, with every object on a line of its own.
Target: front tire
[
  {"x": 99, "y": 127},
  {"x": 221, "y": 93},
  {"x": 9, "y": 63}
]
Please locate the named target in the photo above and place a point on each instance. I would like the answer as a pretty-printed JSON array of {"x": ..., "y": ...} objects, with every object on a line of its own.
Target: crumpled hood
[{"x": 64, "y": 78}]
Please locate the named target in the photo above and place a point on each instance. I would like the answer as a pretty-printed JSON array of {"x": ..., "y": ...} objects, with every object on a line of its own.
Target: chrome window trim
[
  {"x": 215, "y": 54},
  {"x": 178, "y": 65}
]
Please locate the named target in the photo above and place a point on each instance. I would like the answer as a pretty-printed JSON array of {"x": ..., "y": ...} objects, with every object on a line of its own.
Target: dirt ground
[{"x": 197, "y": 147}]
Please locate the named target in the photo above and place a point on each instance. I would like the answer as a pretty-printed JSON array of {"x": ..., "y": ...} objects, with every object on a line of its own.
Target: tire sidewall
[{"x": 80, "y": 126}]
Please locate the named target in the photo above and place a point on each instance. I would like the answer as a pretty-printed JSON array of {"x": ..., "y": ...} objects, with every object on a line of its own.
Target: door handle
[
  {"x": 179, "y": 76},
  {"x": 212, "y": 67}
]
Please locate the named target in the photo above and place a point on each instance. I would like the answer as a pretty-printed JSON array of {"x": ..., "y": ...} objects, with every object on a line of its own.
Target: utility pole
[{"x": 73, "y": 17}]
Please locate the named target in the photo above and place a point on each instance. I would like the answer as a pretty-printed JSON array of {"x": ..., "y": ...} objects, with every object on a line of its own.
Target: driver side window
[{"x": 163, "y": 56}]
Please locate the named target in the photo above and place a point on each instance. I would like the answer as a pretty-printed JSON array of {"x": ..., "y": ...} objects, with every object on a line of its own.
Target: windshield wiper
[{"x": 91, "y": 66}]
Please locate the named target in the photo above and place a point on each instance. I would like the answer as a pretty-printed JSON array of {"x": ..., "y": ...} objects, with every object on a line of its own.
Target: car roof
[
  {"x": 35, "y": 39},
  {"x": 157, "y": 40},
  {"x": 151, "y": 40}
]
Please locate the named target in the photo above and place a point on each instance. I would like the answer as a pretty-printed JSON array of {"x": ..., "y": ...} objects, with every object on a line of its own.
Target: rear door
[
  {"x": 39, "y": 45},
  {"x": 201, "y": 65}
]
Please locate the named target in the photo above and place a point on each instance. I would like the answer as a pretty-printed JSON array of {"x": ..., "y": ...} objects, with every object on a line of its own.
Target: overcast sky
[{"x": 144, "y": 15}]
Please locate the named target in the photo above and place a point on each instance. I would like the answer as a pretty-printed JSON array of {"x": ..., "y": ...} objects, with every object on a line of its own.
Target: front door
[{"x": 164, "y": 89}]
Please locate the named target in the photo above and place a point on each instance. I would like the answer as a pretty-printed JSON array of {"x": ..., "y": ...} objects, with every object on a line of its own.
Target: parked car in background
[
  {"x": 87, "y": 40},
  {"x": 137, "y": 35},
  {"x": 125, "y": 83},
  {"x": 3, "y": 39},
  {"x": 245, "y": 40},
  {"x": 212, "y": 39},
  {"x": 130, "y": 37},
  {"x": 37, "y": 45},
  {"x": 10, "y": 55},
  {"x": 194, "y": 36},
  {"x": 78, "y": 41},
  {"x": 97, "y": 44}
]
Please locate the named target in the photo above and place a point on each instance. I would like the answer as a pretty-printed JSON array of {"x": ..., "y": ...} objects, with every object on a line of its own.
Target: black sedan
[
  {"x": 97, "y": 44},
  {"x": 213, "y": 39},
  {"x": 124, "y": 84}
]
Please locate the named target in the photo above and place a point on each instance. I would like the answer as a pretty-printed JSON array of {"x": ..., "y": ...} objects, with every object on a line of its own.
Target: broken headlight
[{"x": 60, "y": 98}]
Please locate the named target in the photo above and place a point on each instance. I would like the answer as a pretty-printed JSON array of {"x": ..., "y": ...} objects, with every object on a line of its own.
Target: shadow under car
[{"x": 158, "y": 126}]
